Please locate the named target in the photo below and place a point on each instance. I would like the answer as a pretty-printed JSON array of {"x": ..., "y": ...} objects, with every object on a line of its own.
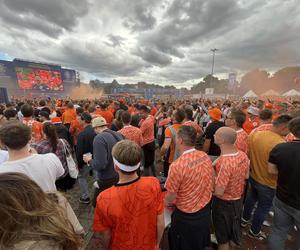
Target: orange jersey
[
  {"x": 36, "y": 129},
  {"x": 263, "y": 127},
  {"x": 249, "y": 125},
  {"x": 147, "y": 129},
  {"x": 232, "y": 171},
  {"x": 68, "y": 116},
  {"x": 130, "y": 211},
  {"x": 107, "y": 115},
  {"x": 131, "y": 110},
  {"x": 241, "y": 142},
  {"x": 191, "y": 178},
  {"x": 153, "y": 111},
  {"x": 75, "y": 129},
  {"x": 132, "y": 133}
]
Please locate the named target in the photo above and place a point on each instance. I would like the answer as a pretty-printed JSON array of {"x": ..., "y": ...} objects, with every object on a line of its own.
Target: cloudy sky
[{"x": 158, "y": 41}]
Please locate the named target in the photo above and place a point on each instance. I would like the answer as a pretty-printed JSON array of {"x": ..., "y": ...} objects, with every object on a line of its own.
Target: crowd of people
[{"x": 216, "y": 165}]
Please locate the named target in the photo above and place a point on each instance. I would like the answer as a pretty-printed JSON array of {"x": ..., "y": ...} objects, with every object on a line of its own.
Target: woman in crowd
[
  {"x": 52, "y": 144},
  {"x": 35, "y": 220}
]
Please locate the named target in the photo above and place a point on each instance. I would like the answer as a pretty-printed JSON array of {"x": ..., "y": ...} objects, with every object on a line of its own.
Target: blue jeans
[
  {"x": 284, "y": 218},
  {"x": 82, "y": 181},
  {"x": 263, "y": 196}
]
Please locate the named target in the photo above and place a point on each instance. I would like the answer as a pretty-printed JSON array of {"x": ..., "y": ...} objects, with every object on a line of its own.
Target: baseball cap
[
  {"x": 215, "y": 114},
  {"x": 86, "y": 117},
  {"x": 98, "y": 122}
]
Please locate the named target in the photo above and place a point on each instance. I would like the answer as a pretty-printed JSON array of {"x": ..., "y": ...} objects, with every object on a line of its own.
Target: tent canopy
[
  {"x": 271, "y": 92},
  {"x": 250, "y": 94},
  {"x": 291, "y": 92}
]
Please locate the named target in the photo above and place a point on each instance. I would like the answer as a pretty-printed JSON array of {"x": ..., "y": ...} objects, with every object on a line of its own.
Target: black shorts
[
  {"x": 190, "y": 231},
  {"x": 226, "y": 217}
]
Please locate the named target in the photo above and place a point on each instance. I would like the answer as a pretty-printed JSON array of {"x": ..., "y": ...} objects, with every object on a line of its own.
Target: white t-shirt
[
  {"x": 43, "y": 169},
  {"x": 3, "y": 156}
]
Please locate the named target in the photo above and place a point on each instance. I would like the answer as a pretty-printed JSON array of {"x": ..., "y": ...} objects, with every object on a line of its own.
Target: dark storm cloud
[
  {"x": 188, "y": 22},
  {"x": 154, "y": 57},
  {"x": 94, "y": 58},
  {"x": 142, "y": 20},
  {"x": 49, "y": 17},
  {"x": 167, "y": 40}
]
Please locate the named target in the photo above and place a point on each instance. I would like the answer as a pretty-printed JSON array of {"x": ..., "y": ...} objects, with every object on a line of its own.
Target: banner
[{"x": 231, "y": 80}]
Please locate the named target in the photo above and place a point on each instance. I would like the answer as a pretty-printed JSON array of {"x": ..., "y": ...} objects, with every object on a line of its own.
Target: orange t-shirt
[
  {"x": 263, "y": 127},
  {"x": 131, "y": 110},
  {"x": 241, "y": 142},
  {"x": 153, "y": 111},
  {"x": 36, "y": 129},
  {"x": 132, "y": 133},
  {"x": 249, "y": 125},
  {"x": 130, "y": 211},
  {"x": 147, "y": 129},
  {"x": 75, "y": 129},
  {"x": 168, "y": 134},
  {"x": 68, "y": 116},
  {"x": 107, "y": 115},
  {"x": 232, "y": 171},
  {"x": 191, "y": 178}
]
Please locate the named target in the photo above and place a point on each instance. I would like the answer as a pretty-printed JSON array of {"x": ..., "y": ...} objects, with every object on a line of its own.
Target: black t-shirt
[
  {"x": 286, "y": 156},
  {"x": 209, "y": 134}
]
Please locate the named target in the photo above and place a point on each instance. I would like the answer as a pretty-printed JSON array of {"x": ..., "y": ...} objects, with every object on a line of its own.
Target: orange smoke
[{"x": 85, "y": 91}]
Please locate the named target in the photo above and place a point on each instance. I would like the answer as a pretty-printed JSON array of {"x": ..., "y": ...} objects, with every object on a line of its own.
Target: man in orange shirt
[
  {"x": 252, "y": 120},
  {"x": 105, "y": 113},
  {"x": 130, "y": 215},
  {"x": 265, "y": 117},
  {"x": 36, "y": 127},
  {"x": 170, "y": 140},
  {"x": 188, "y": 121},
  {"x": 76, "y": 127},
  {"x": 130, "y": 132},
  {"x": 69, "y": 115},
  {"x": 232, "y": 170},
  {"x": 235, "y": 120},
  {"x": 147, "y": 129},
  {"x": 189, "y": 185}
]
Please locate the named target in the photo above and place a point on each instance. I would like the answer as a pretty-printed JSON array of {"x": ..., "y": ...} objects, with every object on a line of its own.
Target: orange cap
[{"x": 215, "y": 114}]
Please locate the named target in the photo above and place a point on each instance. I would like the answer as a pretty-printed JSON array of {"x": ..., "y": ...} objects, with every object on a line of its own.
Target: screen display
[{"x": 42, "y": 79}]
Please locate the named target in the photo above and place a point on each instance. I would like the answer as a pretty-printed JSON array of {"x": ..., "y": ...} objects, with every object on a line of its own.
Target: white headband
[{"x": 126, "y": 168}]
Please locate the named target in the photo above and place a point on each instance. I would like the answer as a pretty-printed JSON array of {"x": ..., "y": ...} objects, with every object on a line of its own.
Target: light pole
[{"x": 213, "y": 65}]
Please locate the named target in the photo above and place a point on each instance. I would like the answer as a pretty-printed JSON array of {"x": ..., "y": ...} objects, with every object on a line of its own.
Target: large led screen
[{"x": 42, "y": 79}]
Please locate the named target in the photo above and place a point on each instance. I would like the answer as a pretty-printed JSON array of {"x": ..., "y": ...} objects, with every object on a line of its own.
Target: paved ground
[{"x": 85, "y": 216}]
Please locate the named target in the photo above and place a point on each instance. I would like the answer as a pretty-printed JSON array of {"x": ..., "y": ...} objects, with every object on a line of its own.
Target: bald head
[{"x": 225, "y": 135}]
